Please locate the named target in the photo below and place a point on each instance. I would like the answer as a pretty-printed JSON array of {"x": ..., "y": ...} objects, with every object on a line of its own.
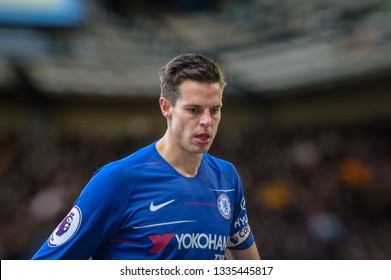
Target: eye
[
  {"x": 193, "y": 110},
  {"x": 215, "y": 111}
]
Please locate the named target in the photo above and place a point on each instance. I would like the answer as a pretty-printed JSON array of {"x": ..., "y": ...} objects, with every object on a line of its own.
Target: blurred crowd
[
  {"x": 318, "y": 193},
  {"x": 312, "y": 192}
]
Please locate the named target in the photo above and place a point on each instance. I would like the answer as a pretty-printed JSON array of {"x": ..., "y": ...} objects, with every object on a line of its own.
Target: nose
[{"x": 206, "y": 118}]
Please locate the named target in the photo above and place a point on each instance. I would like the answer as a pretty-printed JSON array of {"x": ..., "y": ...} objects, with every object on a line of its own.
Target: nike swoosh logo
[{"x": 154, "y": 208}]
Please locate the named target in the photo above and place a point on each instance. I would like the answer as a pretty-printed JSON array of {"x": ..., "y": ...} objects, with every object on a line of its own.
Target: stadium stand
[{"x": 307, "y": 114}]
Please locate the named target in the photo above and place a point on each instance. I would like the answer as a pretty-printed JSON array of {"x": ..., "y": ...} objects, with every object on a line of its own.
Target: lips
[{"x": 203, "y": 138}]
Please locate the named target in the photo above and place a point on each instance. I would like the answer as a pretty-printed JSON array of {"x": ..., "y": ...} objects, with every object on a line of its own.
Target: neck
[{"x": 184, "y": 162}]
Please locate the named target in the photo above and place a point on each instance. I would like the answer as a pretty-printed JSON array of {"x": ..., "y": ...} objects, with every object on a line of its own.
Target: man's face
[{"x": 196, "y": 116}]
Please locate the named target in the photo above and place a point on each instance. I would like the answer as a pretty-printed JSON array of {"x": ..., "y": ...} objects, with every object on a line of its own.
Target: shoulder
[
  {"x": 136, "y": 159},
  {"x": 114, "y": 182},
  {"x": 220, "y": 163},
  {"x": 223, "y": 166},
  {"x": 127, "y": 168}
]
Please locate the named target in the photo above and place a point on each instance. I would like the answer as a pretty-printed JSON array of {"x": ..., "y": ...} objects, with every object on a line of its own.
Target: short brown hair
[{"x": 188, "y": 66}]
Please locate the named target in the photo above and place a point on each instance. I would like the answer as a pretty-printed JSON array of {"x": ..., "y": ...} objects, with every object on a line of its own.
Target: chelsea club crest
[{"x": 224, "y": 206}]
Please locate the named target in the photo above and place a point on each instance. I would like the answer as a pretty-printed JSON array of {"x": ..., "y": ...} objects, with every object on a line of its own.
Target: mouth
[{"x": 203, "y": 138}]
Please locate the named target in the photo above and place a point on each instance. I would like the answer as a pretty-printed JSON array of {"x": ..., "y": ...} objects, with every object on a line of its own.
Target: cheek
[
  {"x": 217, "y": 121},
  {"x": 179, "y": 125},
  {"x": 182, "y": 119}
]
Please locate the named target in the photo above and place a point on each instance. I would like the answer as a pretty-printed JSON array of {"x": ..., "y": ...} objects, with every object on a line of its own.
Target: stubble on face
[{"x": 196, "y": 116}]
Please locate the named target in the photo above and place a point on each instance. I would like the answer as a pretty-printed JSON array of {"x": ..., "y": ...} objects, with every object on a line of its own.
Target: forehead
[{"x": 200, "y": 93}]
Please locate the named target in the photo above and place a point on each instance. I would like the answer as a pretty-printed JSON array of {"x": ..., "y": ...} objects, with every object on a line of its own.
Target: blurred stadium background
[{"x": 306, "y": 116}]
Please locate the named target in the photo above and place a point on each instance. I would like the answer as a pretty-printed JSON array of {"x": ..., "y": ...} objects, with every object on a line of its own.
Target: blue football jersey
[{"x": 141, "y": 208}]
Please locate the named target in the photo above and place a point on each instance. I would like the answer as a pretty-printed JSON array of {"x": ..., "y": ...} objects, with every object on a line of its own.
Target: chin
[
  {"x": 202, "y": 150},
  {"x": 199, "y": 149}
]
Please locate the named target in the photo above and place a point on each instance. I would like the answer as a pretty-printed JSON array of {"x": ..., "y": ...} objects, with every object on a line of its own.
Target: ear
[{"x": 165, "y": 107}]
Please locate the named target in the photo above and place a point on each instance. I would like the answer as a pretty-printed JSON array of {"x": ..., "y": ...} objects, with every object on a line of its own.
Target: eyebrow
[{"x": 198, "y": 106}]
